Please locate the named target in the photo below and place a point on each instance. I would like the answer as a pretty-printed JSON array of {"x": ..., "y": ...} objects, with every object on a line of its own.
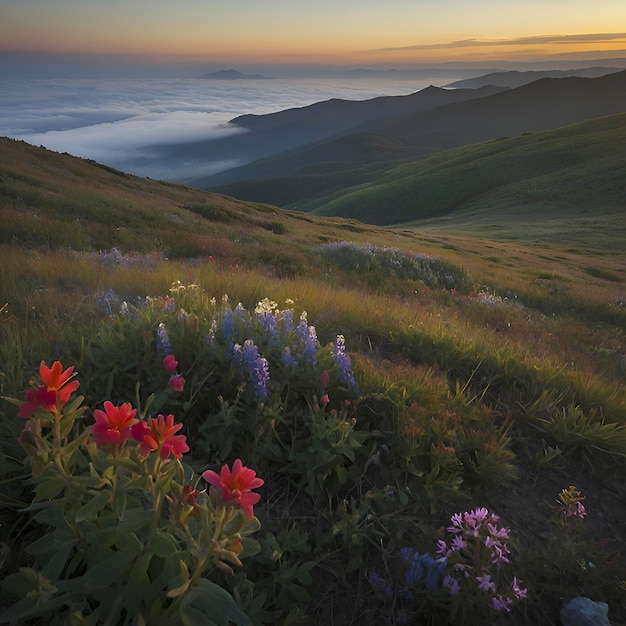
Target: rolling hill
[
  {"x": 302, "y": 176},
  {"x": 577, "y": 171}
]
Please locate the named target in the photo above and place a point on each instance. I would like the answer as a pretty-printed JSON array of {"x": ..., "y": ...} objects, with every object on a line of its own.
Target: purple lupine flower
[
  {"x": 288, "y": 359},
  {"x": 258, "y": 369},
  {"x": 269, "y": 325},
  {"x": 107, "y": 301},
  {"x": 344, "y": 365},
  {"x": 423, "y": 568},
  {"x": 307, "y": 337},
  {"x": 163, "y": 344},
  {"x": 287, "y": 320},
  {"x": 380, "y": 584},
  {"x": 228, "y": 328}
]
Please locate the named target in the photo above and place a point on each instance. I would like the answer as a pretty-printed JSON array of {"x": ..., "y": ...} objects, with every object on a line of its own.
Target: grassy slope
[
  {"x": 575, "y": 172},
  {"x": 567, "y": 339}
]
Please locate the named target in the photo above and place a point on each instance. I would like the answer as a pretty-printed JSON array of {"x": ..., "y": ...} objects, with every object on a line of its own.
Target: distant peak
[{"x": 233, "y": 75}]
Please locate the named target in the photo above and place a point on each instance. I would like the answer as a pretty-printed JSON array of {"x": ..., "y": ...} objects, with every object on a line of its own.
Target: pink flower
[
  {"x": 160, "y": 435},
  {"x": 236, "y": 485},
  {"x": 177, "y": 383},
  {"x": 113, "y": 425},
  {"x": 170, "y": 363}
]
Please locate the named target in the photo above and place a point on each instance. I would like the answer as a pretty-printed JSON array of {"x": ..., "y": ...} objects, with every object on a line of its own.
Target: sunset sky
[{"x": 355, "y": 33}]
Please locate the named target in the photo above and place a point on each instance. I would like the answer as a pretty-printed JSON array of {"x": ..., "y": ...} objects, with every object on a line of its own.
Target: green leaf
[
  {"x": 193, "y": 617},
  {"x": 29, "y": 607},
  {"x": 62, "y": 552},
  {"x": 251, "y": 547},
  {"x": 214, "y": 602},
  {"x": 95, "y": 505},
  {"x": 162, "y": 544},
  {"x": 134, "y": 520},
  {"x": 139, "y": 572},
  {"x": 49, "y": 487},
  {"x": 119, "y": 504},
  {"x": 108, "y": 571}
]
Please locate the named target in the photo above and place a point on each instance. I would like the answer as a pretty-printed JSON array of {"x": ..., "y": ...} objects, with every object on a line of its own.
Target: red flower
[
  {"x": 113, "y": 425},
  {"x": 236, "y": 485},
  {"x": 53, "y": 394},
  {"x": 177, "y": 383},
  {"x": 159, "y": 435},
  {"x": 58, "y": 380},
  {"x": 40, "y": 400},
  {"x": 170, "y": 363}
]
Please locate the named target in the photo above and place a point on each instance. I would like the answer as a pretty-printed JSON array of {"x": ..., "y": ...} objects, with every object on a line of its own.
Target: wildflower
[
  {"x": 113, "y": 425},
  {"x": 288, "y": 359},
  {"x": 163, "y": 341},
  {"x": 423, "y": 569},
  {"x": 501, "y": 603},
  {"x": 170, "y": 363},
  {"x": 520, "y": 593},
  {"x": 228, "y": 328},
  {"x": 248, "y": 357},
  {"x": 451, "y": 584},
  {"x": 53, "y": 394},
  {"x": 177, "y": 383},
  {"x": 269, "y": 324},
  {"x": 485, "y": 583},
  {"x": 159, "y": 434},
  {"x": 57, "y": 380},
  {"x": 307, "y": 336},
  {"x": 106, "y": 302},
  {"x": 344, "y": 365},
  {"x": 570, "y": 501},
  {"x": 380, "y": 584},
  {"x": 235, "y": 486},
  {"x": 287, "y": 319}
]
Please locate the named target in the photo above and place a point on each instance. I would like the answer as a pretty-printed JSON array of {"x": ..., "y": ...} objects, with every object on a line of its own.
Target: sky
[{"x": 166, "y": 36}]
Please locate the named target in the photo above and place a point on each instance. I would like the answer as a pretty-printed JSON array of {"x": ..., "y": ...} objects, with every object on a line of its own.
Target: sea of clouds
[{"x": 121, "y": 122}]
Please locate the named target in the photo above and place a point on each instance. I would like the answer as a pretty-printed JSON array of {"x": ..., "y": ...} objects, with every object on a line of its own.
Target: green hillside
[
  {"x": 572, "y": 173},
  {"x": 382, "y": 383}
]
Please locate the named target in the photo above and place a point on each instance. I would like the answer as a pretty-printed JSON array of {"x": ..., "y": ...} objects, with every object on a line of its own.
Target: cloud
[
  {"x": 125, "y": 123},
  {"x": 518, "y": 41}
]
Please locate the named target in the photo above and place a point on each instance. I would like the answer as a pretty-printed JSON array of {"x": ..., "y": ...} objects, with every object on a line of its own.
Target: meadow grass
[{"x": 498, "y": 395}]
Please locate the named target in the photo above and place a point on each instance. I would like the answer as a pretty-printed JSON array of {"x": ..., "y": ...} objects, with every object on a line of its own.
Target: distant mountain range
[
  {"x": 515, "y": 78},
  {"x": 233, "y": 75},
  {"x": 307, "y": 154}
]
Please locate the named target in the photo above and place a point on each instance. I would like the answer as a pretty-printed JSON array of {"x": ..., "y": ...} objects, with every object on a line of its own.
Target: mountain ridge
[{"x": 541, "y": 105}]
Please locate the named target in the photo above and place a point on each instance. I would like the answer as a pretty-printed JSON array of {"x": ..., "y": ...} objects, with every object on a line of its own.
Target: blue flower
[
  {"x": 307, "y": 337},
  {"x": 344, "y": 365},
  {"x": 269, "y": 325},
  {"x": 257, "y": 367},
  {"x": 288, "y": 359},
  {"x": 163, "y": 341},
  {"x": 423, "y": 569}
]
